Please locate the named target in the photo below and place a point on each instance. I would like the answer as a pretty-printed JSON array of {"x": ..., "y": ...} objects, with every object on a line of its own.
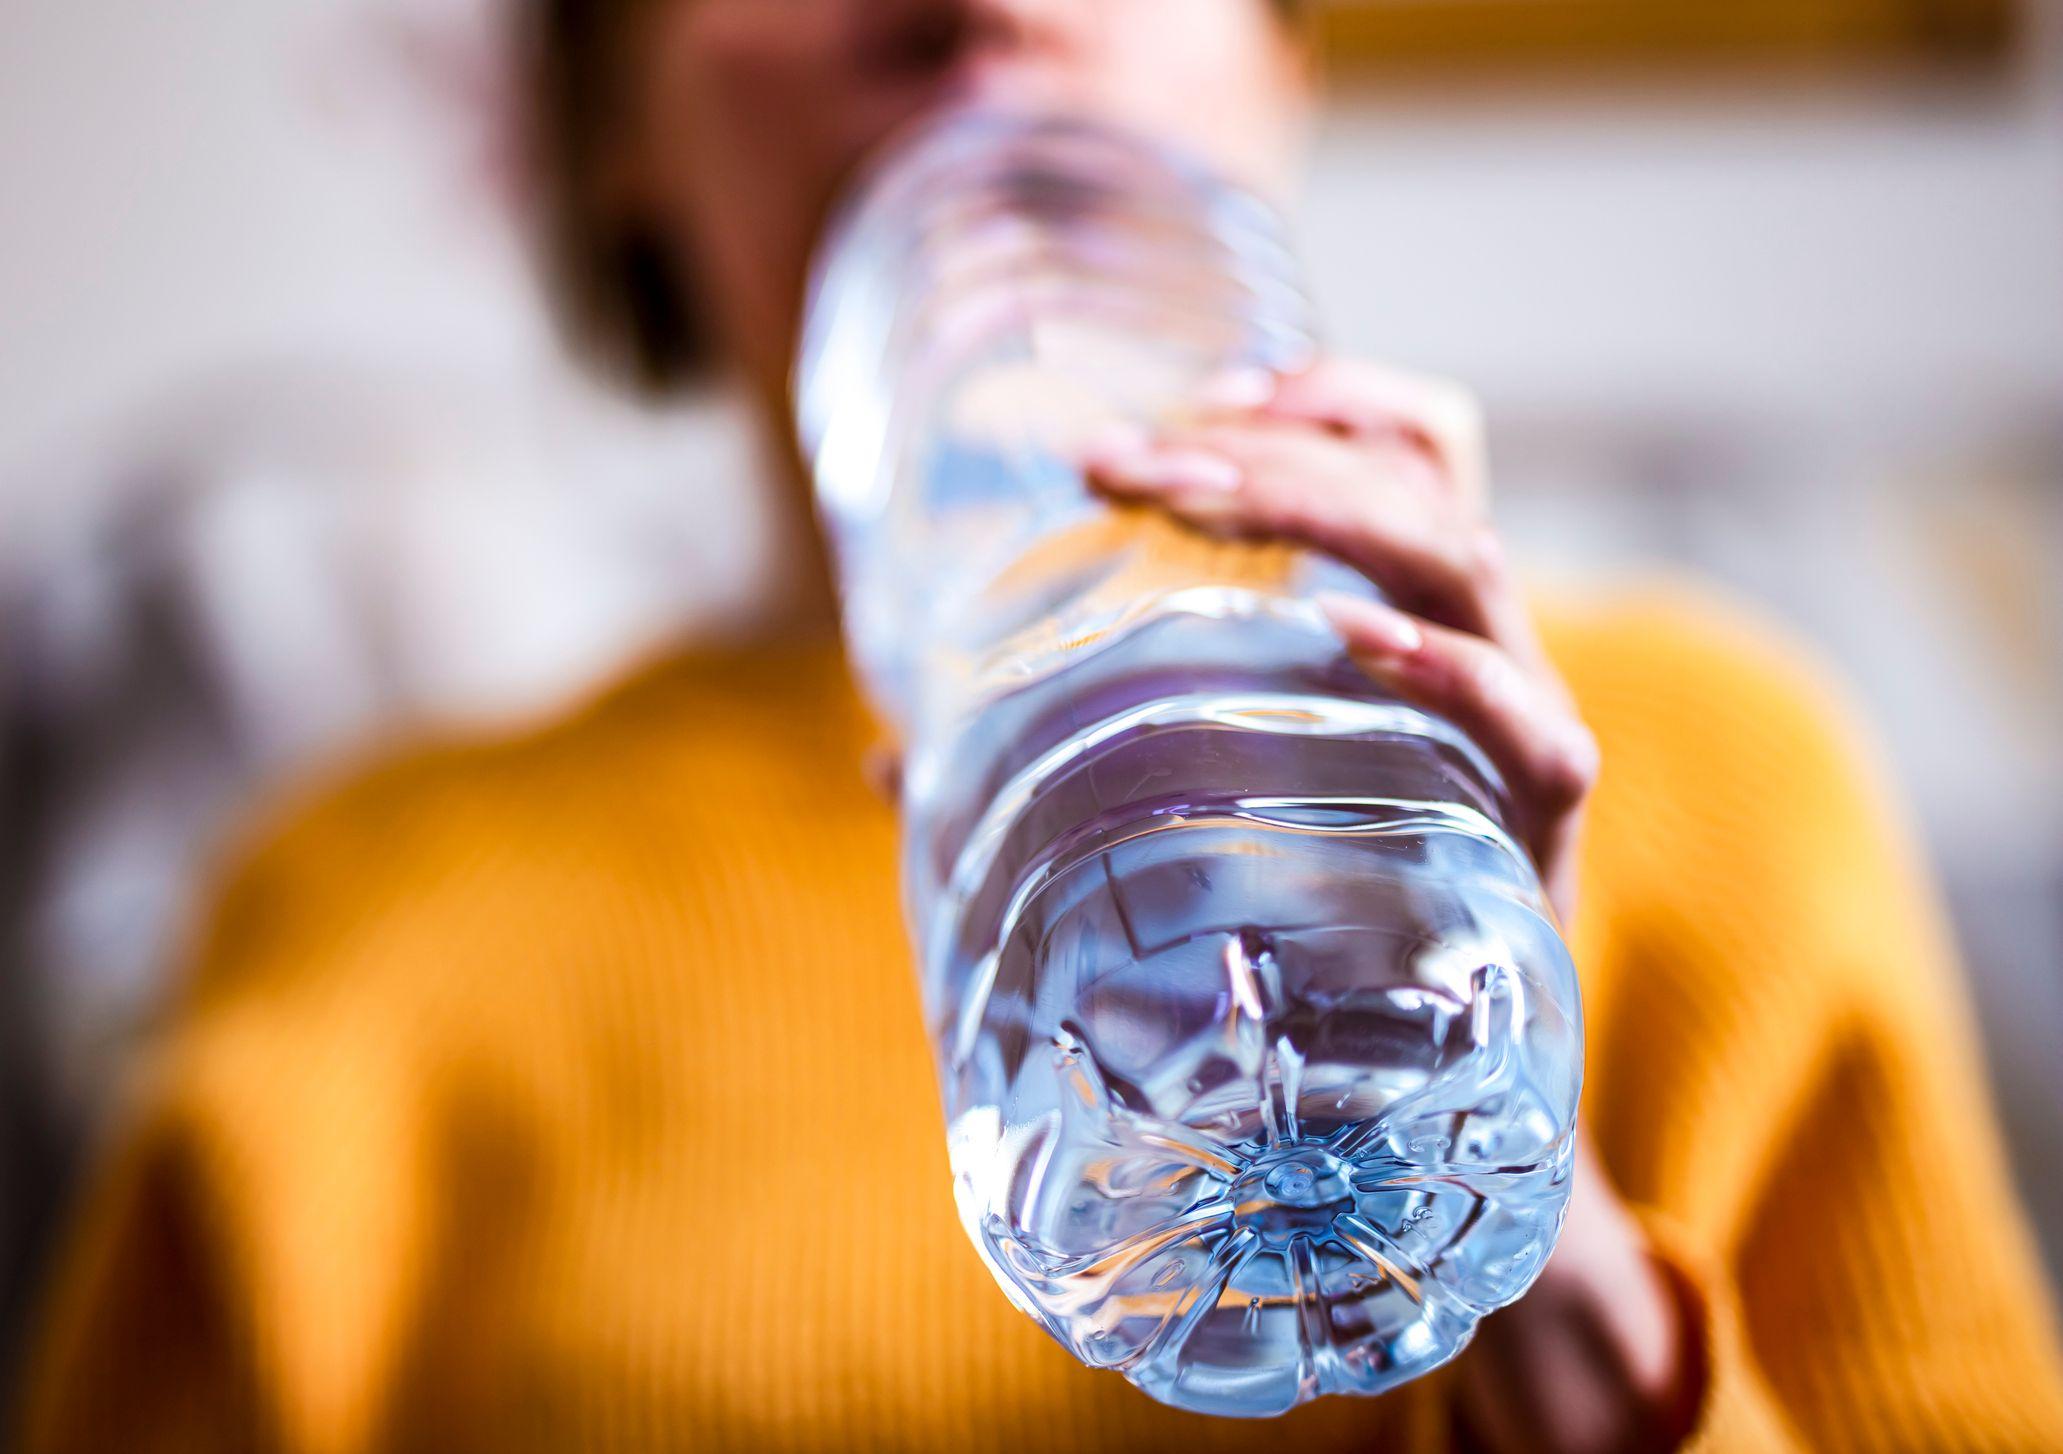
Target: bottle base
[{"x": 1304, "y": 1269}]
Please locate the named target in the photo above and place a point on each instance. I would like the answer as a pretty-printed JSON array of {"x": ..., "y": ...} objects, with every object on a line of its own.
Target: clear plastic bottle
[{"x": 1259, "y": 1049}]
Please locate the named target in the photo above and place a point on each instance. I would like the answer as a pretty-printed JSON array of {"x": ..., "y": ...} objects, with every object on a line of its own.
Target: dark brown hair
[
  {"x": 619, "y": 292},
  {"x": 614, "y": 284}
]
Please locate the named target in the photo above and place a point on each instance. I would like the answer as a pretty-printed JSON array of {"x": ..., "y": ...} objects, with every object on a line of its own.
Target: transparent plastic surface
[{"x": 1259, "y": 1049}]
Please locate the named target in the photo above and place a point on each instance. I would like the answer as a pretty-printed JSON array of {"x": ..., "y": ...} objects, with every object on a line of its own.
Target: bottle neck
[{"x": 1002, "y": 289}]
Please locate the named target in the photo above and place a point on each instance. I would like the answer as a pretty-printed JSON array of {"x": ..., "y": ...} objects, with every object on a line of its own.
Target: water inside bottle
[{"x": 1253, "y": 1095}]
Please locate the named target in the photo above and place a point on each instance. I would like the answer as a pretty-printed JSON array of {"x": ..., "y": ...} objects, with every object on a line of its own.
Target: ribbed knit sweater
[{"x": 569, "y": 1092}]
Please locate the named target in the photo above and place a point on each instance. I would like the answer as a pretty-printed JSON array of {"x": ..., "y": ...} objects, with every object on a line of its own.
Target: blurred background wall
[{"x": 289, "y": 462}]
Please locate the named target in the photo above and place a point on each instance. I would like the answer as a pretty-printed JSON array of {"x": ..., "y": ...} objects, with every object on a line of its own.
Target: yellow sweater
[{"x": 569, "y": 1093}]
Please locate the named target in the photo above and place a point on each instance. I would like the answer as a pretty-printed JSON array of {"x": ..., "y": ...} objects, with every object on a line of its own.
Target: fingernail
[
  {"x": 1246, "y": 387},
  {"x": 1170, "y": 469},
  {"x": 1372, "y": 628}
]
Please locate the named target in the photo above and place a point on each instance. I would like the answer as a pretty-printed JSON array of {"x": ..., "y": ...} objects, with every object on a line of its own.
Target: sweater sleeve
[
  {"x": 1785, "y": 1079},
  {"x": 252, "y": 1268}
]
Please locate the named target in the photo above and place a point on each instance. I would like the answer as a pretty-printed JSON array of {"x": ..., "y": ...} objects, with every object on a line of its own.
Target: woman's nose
[
  {"x": 934, "y": 34},
  {"x": 1038, "y": 24}
]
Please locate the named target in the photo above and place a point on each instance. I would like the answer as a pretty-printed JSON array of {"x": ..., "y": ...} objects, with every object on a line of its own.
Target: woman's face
[{"x": 750, "y": 112}]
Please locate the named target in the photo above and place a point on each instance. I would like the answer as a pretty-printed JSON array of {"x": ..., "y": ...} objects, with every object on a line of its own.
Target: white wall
[
  {"x": 196, "y": 186},
  {"x": 187, "y": 186},
  {"x": 1890, "y": 263}
]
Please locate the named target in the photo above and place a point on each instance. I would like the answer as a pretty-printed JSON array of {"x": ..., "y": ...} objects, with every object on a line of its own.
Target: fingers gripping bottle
[{"x": 1259, "y": 1049}]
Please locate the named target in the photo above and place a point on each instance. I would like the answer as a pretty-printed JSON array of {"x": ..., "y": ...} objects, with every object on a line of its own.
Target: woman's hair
[
  {"x": 614, "y": 282},
  {"x": 617, "y": 285}
]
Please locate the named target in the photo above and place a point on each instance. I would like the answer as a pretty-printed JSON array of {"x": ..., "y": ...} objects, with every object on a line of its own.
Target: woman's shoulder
[
  {"x": 1740, "y": 786},
  {"x": 1674, "y": 675},
  {"x": 1681, "y": 637},
  {"x": 513, "y": 824}
]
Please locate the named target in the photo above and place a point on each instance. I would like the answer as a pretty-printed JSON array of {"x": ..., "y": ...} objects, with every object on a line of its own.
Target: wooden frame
[{"x": 1387, "y": 35}]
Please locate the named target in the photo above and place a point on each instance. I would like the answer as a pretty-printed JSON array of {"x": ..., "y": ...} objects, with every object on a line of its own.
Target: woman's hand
[
  {"x": 1599, "y": 1356},
  {"x": 1386, "y": 473}
]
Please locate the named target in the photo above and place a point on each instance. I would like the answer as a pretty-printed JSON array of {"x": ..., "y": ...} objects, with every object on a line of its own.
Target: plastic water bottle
[{"x": 1259, "y": 1049}]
